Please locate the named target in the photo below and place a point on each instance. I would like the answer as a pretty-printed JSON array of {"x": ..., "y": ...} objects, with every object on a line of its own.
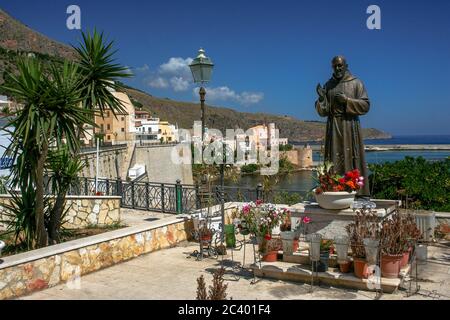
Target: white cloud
[
  {"x": 143, "y": 69},
  {"x": 177, "y": 67},
  {"x": 248, "y": 98},
  {"x": 226, "y": 94},
  {"x": 176, "y": 75},
  {"x": 179, "y": 84},
  {"x": 159, "y": 83}
]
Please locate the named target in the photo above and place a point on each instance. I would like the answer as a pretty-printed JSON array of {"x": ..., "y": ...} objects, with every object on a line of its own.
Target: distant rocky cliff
[{"x": 15, "y": 38}]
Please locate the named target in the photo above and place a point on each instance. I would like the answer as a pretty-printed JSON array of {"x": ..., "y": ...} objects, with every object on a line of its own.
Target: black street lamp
[{"x": 201, "y": 68}]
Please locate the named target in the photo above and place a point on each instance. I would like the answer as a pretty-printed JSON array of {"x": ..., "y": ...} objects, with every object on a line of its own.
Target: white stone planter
[
  {"x": 288, "y": 242},
  {"x": 335, "y": 200}
]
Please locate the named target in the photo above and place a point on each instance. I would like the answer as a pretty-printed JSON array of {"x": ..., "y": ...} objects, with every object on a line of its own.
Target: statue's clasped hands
[{"x": 341, "y": 98}]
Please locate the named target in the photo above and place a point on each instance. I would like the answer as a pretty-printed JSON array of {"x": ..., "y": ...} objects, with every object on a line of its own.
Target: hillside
[
  {"x": 16, "y": 38},
  {"x": 184, "y": 114}
]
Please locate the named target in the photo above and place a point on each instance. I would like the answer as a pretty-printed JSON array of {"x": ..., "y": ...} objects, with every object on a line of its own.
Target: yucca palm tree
[
  {"x": 64, "y": 167},
  {"x": 100, "y": 74},
  {"x": 58, "y": 102}
]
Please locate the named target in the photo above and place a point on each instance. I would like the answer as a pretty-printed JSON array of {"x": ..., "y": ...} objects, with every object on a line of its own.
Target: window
[
  {"x": 108, "y": 137},
  {"x": 123, "y": 118},
  {"x": 159, "y": 131},
  {"x": 108, "y": 127},
  {"x": 123, "y": 129},
  {"x": 102, "y": 128}
]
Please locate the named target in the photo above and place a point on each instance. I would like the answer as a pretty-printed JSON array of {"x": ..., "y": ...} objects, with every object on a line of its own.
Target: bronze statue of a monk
[{"x": 343, "y": 100}]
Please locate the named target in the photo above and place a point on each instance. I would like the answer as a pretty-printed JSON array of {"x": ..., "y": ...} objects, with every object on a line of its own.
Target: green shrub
[
  {"x": 249, "y": 168},
  {"x": 426, "y": 183}
]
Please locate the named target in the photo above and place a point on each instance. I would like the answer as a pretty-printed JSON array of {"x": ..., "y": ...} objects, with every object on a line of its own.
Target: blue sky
[{"x": 270, "y": 55}]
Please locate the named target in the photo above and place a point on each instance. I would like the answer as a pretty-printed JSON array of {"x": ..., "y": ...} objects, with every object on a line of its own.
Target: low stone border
[
  {"x": 25, "y": 273},
  {"x": 82, "y": 211}
]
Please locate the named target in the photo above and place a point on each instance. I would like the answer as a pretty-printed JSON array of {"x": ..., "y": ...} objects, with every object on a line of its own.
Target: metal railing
[{"x": 176, "y": 197}]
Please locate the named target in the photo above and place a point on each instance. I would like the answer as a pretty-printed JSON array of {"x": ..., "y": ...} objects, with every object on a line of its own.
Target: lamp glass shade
[{"x": 201, "y": 68}]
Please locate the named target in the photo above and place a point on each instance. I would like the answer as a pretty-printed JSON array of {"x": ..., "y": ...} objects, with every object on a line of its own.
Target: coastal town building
[
  {"x": 130, "y": 125},
  {"x": 264, "y": 135},
  {"x": 5, "y": 105}
]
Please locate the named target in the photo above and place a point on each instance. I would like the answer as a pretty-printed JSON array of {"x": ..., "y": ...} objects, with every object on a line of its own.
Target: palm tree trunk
[
  {"x": 55, "y": 219},
  {"x": 41, "y": 233}
]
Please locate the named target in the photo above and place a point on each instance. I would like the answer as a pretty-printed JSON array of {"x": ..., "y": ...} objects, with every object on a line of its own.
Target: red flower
[
  {"x": 259, "y": 202},
  {"x": 268, "y": 237},
  {"x": 306, "y": 220}
]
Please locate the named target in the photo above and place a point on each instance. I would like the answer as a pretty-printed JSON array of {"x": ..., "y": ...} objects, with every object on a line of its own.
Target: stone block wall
[
  {"x": 301, "y": 157},
  {"x": 85, "y": 211},
  {"x": 82, "y": 211},
  {"x": 39, "y": 269}
]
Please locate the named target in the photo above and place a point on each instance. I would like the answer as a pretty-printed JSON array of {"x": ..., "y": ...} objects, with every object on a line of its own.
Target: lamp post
[{"x": 201, "y": 68}]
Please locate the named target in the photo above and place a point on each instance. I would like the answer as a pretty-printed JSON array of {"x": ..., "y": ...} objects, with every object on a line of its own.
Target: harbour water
[{"x": 303, "y": 180}]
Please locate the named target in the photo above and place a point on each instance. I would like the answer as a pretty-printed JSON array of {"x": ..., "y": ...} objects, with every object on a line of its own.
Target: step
[{"x": 302, "y": 273}]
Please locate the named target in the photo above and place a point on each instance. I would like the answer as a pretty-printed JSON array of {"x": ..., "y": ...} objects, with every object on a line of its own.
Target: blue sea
[
  {"x": 391, "y": 156},
  {"x": 412, "y": 139}
]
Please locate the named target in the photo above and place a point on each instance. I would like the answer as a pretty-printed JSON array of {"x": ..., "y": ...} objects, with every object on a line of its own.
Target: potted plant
[
  {"x": 272, "y": 248},
  {"x": 397, "y": 236},
  {"x": 260, "y": 219},
  {"x": 288, "y": 236},
  {"x": 334, "y": 191},
  {"x": 325, "y": 248},
  {"x": 412, "y": 234},
  {"x": 365, "y": 225},
  {"x": 341, "y": 243},
  {"x": 205, "y": 234}
]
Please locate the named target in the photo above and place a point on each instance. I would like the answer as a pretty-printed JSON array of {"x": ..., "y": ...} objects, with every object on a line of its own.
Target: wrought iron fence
[{"x": 177, "y": 198}]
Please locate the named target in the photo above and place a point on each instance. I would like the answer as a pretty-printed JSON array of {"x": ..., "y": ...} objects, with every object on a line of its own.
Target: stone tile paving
[{"x": 172, "y": 273}]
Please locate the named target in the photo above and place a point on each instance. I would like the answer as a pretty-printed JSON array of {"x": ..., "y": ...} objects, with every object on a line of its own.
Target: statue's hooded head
[{"x": 340, "y": 67}]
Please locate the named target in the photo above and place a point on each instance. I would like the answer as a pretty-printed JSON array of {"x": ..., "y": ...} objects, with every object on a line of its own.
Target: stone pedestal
[{"x": 331, "y": 223}]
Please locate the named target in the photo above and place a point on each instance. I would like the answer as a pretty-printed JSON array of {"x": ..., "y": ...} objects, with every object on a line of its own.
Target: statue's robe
[{"x": 344, "y": 141}]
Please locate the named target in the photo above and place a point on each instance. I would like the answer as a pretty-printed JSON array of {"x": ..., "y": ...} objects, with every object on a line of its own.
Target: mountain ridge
[{"x": 16, "y": 38}]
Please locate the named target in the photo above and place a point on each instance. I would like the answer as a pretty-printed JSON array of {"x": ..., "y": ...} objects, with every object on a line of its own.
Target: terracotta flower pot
[
  {"x": 345, "y": 267},
  {"x": 295, "y": 245},
  {"x": 405, "y": 259},
  {"x": 270, "y": 256},
  {"x": 360, "y": 268},
  {"x": 206, "y": 238},
  {"x": 390, "y": 265}
]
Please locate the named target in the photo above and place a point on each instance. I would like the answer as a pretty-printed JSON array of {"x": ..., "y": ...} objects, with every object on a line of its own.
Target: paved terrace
[{"x": 172, "y": 273}]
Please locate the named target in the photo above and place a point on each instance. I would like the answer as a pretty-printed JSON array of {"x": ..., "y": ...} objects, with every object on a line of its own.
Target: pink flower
[
  {"x": 360, "y": 183},
  {"x": 259, "y": 202},
  {"x": 246, "y": 209},
  {"x": 306, "y": 220}
]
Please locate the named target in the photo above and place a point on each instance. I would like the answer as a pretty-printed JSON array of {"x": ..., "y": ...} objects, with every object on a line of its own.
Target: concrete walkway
[{"x": 172, "y": 273}]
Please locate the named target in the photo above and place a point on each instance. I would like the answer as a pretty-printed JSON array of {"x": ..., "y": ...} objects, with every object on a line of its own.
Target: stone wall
[
  {"x": 82, "y": 211},
  {"x": 39, "y": 269},
  {"x": 159, "y": 165},
  {"x": 301, "y": 157},
  {"x": 112, "y": 163}
]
